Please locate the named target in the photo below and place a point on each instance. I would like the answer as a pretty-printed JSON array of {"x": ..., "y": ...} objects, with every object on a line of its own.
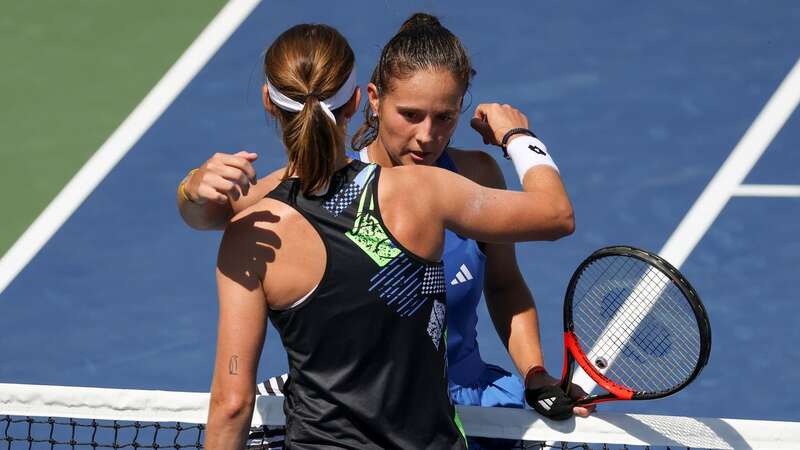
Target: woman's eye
[{"x": 409, "y": 115}]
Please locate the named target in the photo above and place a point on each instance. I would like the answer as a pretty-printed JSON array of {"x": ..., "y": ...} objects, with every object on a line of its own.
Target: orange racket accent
[{"x": 572, "y": 346}]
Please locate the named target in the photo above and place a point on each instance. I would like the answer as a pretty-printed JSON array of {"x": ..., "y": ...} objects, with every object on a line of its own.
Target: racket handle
[{"x": 566, "y": 372}]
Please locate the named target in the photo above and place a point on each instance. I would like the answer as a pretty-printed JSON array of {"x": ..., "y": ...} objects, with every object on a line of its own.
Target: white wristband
[{"x": 527, "y": 152}]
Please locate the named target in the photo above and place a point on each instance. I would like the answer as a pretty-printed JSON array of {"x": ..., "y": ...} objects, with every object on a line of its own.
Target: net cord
[{"x": 611, "y": 428}]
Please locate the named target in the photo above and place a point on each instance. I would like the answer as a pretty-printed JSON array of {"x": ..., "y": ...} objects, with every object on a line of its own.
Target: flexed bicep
[{"x": 541, "y": 212}]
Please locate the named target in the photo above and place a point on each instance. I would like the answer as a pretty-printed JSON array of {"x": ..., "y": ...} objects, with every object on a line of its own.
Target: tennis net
[{"x": 39, "y": 417}]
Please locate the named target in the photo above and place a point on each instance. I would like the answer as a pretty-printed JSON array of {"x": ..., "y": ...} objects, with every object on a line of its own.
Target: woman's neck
[
  {"x": 377, "y": 154},
  {"x": 341, "y": 160}
]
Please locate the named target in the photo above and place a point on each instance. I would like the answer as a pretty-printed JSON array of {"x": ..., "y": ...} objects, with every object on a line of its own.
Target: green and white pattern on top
[{"x": 367, "y": 232}]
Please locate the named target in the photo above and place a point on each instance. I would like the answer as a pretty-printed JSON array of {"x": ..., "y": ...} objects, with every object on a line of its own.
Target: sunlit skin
[{"x": 418, "y": 116}]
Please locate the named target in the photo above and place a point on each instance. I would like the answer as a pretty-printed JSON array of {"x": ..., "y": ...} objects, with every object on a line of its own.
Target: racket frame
[{"x": 573, "y": 353}]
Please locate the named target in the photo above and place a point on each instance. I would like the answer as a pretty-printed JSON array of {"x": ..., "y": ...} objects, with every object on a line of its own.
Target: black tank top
[{"x": 367, "y": 357}]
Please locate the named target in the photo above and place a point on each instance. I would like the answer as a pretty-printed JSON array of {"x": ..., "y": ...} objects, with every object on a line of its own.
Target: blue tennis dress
[{"x": 472, "y": 381}]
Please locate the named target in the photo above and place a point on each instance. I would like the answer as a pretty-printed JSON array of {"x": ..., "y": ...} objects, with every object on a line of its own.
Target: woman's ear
[
  {"x": 373, "y": 98},
  {"x": 265, "y": 99},
  {"x": 351, "y": 107}
]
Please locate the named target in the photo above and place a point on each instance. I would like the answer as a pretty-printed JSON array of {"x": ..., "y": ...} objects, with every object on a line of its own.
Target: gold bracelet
[{"x": 182, "y": 185}]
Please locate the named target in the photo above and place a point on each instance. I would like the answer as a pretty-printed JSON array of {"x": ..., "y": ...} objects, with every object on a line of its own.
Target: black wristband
[{"x": 510, "y": 133}]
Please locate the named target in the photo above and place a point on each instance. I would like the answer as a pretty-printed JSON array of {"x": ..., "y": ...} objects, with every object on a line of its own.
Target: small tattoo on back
[{"x": 233, "y": 365}]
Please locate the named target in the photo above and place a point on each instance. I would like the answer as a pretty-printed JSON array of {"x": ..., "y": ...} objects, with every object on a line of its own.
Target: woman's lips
[{"x": 418, "y": 156}]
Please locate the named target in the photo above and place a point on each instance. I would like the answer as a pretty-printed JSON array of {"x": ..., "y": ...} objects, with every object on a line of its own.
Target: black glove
[{"x": 550, "y": 401}]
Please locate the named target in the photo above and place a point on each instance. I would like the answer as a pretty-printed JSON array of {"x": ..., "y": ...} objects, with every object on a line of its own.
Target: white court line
[
  {"x": 726, "y": 181},
  {"x": 734, "y": 170},
  {"x": 120, "y": 142},
  {"x": 767, "y": 190}
]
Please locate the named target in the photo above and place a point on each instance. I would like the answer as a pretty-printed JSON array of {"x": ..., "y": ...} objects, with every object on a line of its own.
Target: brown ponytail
[
  {"x": 421, "y": 43},
  {"x": 309, "y": 63}
]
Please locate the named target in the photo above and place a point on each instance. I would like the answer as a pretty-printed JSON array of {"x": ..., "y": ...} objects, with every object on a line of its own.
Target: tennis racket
[{"x": 634, "y": 324}]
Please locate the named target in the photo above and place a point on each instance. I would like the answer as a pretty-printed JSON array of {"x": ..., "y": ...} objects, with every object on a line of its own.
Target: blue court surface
[{"x": 640, "y": 104}]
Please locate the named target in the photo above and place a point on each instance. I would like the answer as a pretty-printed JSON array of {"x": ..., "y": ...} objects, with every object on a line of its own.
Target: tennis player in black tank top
[
  {"x": 343, "y": 259},
  {"x": 366, "y": 350}
]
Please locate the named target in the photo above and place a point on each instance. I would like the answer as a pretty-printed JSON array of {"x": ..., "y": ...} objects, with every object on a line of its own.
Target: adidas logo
[
  {"x": 547, "y": 403},
  {"x": 462, "y": 276}
]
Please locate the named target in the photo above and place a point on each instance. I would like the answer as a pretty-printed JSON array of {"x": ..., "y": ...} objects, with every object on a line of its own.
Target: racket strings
[
  {"x": 620, "y": 371},
  {"x": 640, "y": 335},
  {"x": 653, "y": 344},
  {"x": 635, "y": 324},
  {"x": 645, "y": 337}
]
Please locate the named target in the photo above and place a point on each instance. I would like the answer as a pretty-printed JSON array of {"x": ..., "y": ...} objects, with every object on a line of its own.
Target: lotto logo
[{"x": 537, "y": 150}]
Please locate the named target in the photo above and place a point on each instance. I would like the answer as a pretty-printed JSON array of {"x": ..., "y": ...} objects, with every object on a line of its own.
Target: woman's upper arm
[
  {"x": 242, "y": 316},
  {"x": 502, "y": 268},
  {"x": 542, "y": 212}
]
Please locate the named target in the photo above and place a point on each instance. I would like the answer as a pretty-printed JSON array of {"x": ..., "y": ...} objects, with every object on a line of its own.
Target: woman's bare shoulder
[
  {"x": 479, "y": 166},
  {"x": 264, "y": 218}
]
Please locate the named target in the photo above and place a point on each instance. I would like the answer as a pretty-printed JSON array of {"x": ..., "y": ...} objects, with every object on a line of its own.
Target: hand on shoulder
[
  {"x": 221, "y": 177},
  {"x": 258, "y": 190}
]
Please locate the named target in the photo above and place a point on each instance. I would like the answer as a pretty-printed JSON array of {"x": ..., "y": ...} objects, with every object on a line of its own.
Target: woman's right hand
[
  {"x": 575, "y": 392},
  {"x": 493, "y": 120},
  {"x": 222, "y": 178}
]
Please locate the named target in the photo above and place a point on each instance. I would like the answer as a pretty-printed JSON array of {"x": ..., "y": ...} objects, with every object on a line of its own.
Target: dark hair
[
  {"x": 307, "y": 63},
  {"x": 422, "y": 43}
]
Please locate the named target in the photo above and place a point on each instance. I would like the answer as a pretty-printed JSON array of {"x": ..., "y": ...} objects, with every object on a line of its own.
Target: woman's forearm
[
  {"x": 207, "y": 196},
  {"x": 204, "y": 216},
  {"x": 228, "y": 422},
  {"x": 516, "y": 320},
  {"x": 206, "y": 207}
]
